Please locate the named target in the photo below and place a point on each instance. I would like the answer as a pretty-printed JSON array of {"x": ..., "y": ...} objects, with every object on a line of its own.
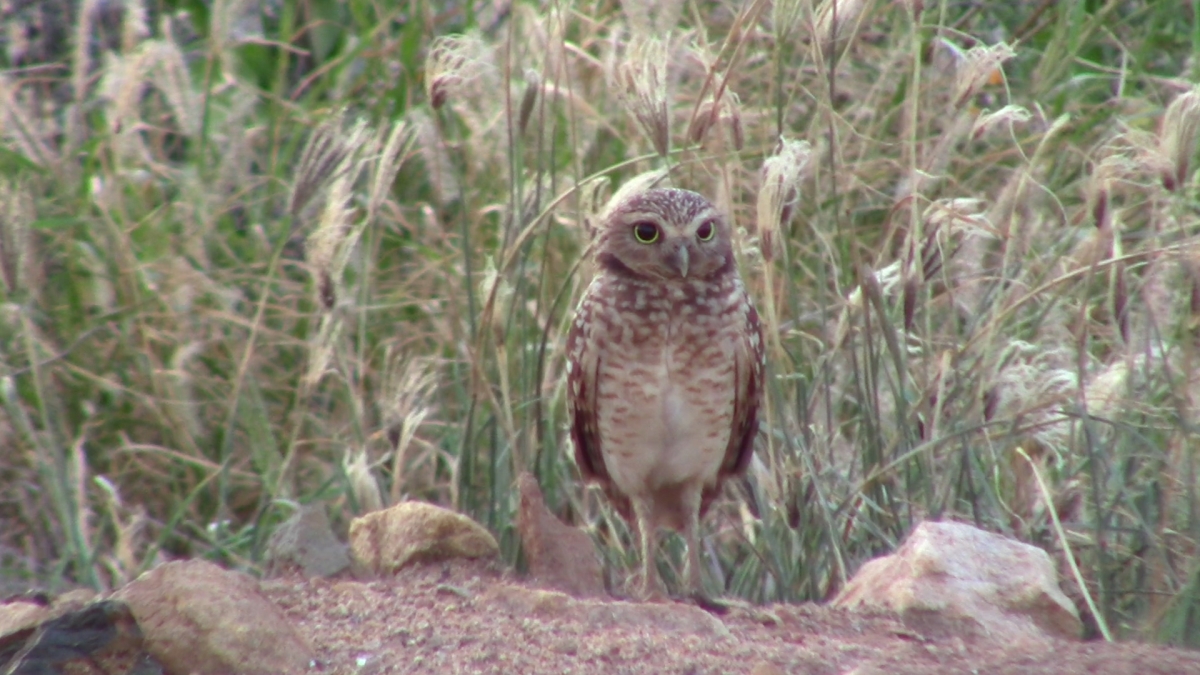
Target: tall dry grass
[{"x": 260, "y": 256}]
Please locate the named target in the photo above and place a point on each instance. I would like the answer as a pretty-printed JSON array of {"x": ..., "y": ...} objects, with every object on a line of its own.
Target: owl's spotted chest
[{"x": 665, "y": 407}]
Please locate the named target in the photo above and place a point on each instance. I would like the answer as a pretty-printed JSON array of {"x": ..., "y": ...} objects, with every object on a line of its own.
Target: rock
[
  {"x": 387, "y": 540},
  {"x": 306, "y": 542},
  {"x": 559, "y": 556},
  {"x": 955, "y": 574},
  {"x": 100, "y": 638},
  {"x": 600, "y": 615},
  {"x": 199, "y": 618}
]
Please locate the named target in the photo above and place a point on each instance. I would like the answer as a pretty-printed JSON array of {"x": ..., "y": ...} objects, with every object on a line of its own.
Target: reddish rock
[
  {"x": 560, "y": 557},
  {"x": 958, "y": 575}
]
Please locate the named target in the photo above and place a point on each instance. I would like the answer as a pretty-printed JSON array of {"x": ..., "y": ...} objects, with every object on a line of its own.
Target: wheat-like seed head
[
  {"x": 133, "y": 26},
  {"x": 453, "y": 62},
  {"x": 362, "y": 480},
  {"x": 779, "y": 190},
  {"x": 641, "y": 84},
  {"x": 1177, "y": 137},
  {"x": 978, "y": 66}
]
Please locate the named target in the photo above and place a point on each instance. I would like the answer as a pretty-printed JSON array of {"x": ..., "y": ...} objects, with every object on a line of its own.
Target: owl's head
[{"x": 665, "y": 233}]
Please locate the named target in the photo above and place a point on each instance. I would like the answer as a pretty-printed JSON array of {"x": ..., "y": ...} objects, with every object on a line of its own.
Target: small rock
[
  {"x": 559, "y": 556},
  {"x": 306, "y": 541},
  {"x": 962, "y": 575},
  {"x": 199, "y": 618},
  {"x": 387, "y": 540}
]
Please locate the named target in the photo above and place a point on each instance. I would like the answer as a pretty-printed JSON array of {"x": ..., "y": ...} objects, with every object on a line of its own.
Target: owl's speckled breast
[{"x": 667, "y": 406}]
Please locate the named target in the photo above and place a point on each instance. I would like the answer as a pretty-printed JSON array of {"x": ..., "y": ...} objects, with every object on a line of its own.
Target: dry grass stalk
[
  {"x": 169, "y": 72},
  {"x": 641, "y": 84},
  {"x": 529, "y": 98},
  {"x": 134, "y": 28},
  {"x": 21, "y": 128},
  {"x": 395, "y": 150},
  {"x": 779, "y": 191},
  {"x": 16, "y": 213},
  {"x": 409, "y": 383},
  {"x": 81, "y": 70},
  {"x": 725, "y": 113},
  {"x": 329, "y": 246},
  {"x": 323, "y": 155},
  {"x": 1004, "y": 119},
  {"x": 835, "y": 24},
  {"x": 442, "y": 177}
]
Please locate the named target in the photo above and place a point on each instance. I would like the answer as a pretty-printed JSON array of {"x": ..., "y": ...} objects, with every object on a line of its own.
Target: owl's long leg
[
  {"x": 647, "y": 540},
  {"x": 691, "y": 535}
]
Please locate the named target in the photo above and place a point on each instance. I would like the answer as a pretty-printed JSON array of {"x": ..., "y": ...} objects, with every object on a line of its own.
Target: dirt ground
[{"x": 469, "y": 617}]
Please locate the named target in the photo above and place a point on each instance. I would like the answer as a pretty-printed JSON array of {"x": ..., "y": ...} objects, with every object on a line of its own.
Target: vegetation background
[{"x": 261, "y": 254}]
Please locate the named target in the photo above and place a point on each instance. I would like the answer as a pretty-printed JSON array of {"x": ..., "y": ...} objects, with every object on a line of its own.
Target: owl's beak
[{"x": 681, "y": 261}]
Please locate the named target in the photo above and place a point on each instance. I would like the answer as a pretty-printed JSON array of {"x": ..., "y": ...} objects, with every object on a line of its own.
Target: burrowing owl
[{"x": 665, "y": 363}]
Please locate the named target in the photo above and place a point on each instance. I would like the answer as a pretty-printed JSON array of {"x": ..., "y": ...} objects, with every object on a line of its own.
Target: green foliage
[{"x": 327, "y": 253}]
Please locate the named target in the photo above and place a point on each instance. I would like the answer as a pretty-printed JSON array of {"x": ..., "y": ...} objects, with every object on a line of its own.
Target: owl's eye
[
  {"x": 645, "y": 232},
  {"x": 706, "y": 231}
]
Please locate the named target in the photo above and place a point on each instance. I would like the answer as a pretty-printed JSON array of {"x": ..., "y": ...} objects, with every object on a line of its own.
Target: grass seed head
[
  {"x": 363, "y": 483},
  {"x": 978, "y": 67},
  {"x": 1177, "y": 138},
  {"x": 641, "y": 84},
  {"x": 533, "y": 87},
  {"x": 1003, "y": 118},
  {"x": 779, "y": 190},
  {"x": 453, "y": 62}
]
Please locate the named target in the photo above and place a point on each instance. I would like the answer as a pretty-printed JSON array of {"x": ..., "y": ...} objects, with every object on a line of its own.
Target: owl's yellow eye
[
  {"x": 645, "y": 232},
  {"x": 706, "y": 231}
]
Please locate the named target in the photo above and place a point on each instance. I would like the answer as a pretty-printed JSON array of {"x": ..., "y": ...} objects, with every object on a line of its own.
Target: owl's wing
[
  {"x": 748, "y": 387},
  {"x": 583, "y": 365}
]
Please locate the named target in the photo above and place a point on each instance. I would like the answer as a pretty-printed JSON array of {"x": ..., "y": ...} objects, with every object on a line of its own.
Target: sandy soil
[{"x": 467, "y": 617}]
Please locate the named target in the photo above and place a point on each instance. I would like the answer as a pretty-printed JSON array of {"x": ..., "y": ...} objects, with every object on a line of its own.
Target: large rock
[
  {"x": 387, "y": 540},
  {"x": 199, "y": 618},
  {"x": 958, "y": 575},
  {"x": 559, "y": 556}
]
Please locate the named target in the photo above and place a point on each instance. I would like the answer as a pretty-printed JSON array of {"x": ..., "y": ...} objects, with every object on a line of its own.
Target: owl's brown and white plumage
[{"x": 665, "y": 367}]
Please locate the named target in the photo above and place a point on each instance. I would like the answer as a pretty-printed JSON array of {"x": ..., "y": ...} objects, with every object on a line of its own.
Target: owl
[{"x": 664, "y": 369}]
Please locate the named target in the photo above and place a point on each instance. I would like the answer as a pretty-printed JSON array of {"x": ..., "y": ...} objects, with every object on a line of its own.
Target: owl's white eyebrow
[
  {"x": 699, "y": 218},
  {"x": 636, "y": 216}
]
